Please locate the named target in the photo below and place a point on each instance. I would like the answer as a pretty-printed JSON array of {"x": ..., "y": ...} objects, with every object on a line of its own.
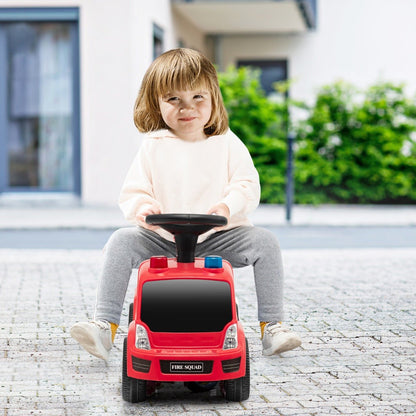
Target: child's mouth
[{"x": 187, "y": 118}]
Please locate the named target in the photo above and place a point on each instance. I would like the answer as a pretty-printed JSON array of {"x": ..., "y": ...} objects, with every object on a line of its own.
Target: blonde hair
[{"x": 178, "y": 69}]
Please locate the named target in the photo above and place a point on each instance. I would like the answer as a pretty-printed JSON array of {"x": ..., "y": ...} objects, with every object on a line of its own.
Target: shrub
[
  {"x": 357, "y": 147},
  {"x": 353, "y": 147},
  {"x": 261, "y": 125}
]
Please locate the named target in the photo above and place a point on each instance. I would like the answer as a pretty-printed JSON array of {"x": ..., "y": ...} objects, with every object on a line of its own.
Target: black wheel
[
  {"x": 200, "y": 387},
  {"x": 238, "y": 389},
  {"x": 133, "y": 390},
  {"x": 130, "y": 312}
]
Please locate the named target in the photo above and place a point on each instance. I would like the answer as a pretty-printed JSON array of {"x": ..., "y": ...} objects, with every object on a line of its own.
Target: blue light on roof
[{"x": 213, "y": 262}]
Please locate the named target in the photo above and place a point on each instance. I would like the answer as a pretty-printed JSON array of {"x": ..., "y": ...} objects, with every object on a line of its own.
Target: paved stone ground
[{"x": 355, "y": 310}]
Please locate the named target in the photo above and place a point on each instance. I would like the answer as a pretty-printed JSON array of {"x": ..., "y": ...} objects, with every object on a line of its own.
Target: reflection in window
[{"x": 40, "y": 153}]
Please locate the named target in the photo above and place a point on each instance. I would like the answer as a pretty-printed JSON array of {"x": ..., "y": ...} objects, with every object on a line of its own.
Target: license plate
[{"x": 186, "y": 367}]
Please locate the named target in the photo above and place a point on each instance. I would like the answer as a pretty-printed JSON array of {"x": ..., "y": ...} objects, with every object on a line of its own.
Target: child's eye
[
  {"x": 198, "y": 97},
  {"x": 173, "y": 99}
]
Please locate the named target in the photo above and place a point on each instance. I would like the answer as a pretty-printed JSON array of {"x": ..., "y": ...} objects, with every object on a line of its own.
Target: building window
[
  {"x": 271, "y": 71},
  {"x": 157, "y": 41},
  {"x": 39, "y": 89}
]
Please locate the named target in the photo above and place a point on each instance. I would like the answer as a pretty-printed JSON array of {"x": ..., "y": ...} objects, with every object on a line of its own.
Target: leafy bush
[
  {"x": 260, "y": 123},
  {"x": 357, "y": 147},
  {"x": 353, "y": 147}
]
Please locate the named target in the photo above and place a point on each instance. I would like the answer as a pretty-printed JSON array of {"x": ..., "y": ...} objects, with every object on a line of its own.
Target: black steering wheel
[
  {"x": 189, "y": 219},
  {"x": 186, "y": 228}
]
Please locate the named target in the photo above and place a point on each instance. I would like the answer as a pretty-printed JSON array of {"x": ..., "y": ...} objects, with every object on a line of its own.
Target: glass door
[{"x": 40, "y": 128}]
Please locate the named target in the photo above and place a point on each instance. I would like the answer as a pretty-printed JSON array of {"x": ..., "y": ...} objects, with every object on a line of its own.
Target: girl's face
[{"x": 186, "y": 112}]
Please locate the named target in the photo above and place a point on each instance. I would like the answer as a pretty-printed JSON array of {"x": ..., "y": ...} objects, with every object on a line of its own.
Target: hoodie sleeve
[
  {"x": 137, "y": 189},
  {"x": 242, "y": 195}
]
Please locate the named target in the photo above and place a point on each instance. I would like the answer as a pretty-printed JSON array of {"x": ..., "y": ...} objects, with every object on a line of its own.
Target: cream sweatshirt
[{"x": 190, "y": 177}]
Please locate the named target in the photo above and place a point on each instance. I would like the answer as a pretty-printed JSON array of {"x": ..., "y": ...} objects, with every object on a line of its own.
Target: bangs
[
  {"x": 179, "y": 83},
  {"x": 180, "y": 73}
]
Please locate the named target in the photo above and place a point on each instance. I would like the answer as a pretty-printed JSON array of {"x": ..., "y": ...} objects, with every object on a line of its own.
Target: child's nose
[{"x": 186, "y": 105}]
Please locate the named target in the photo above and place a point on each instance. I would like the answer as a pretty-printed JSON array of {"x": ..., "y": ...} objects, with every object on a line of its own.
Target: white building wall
[
  {"x": 117, "y": 48},
  {"x": 360, "y": 41},
  {"x": 107, "y": 133},
  {"x": 188, "y": 35},
  {"x": 121, "y": 35}
]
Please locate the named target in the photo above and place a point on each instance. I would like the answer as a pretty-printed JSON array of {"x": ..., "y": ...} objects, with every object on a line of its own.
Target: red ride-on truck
[{"x": 183, "y": 325}]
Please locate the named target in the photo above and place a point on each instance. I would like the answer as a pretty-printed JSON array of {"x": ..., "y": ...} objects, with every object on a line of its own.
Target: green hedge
[
  {"x": 261, "y": 124},
  {"x": 352, "y": 147}
]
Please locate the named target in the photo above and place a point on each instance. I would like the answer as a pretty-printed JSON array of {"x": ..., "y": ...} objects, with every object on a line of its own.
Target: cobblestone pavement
[{"x": 355, "y": 310}]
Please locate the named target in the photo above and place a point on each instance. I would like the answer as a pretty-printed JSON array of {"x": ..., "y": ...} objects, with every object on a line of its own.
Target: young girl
[{"x": 189, "y": 162}]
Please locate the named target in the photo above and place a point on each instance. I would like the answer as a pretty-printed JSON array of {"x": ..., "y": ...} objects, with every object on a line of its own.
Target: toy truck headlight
[
  {"x": 142, "y": 340},
  {"x": 231, "y": 340}
]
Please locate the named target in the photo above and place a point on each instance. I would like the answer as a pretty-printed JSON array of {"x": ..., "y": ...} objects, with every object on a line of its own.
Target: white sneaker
[
  {"x": 94, "y": 336},
  {"x": 278, "y": 339}
]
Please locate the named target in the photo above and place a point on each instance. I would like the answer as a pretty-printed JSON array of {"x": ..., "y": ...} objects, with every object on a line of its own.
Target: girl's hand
[
  {"x": 143, "y": 212},
  {"x": 220, "y": 209}
]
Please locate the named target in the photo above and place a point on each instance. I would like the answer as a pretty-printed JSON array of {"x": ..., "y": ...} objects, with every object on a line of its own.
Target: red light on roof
[{"x": 158, "y": 262}]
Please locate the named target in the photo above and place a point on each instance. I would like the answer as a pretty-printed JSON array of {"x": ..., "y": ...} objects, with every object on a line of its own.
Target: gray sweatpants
[{"x": 241, "y": 246}]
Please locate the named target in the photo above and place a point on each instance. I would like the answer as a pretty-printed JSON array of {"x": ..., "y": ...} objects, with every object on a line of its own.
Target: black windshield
[{"x": 186, "y": 305}]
